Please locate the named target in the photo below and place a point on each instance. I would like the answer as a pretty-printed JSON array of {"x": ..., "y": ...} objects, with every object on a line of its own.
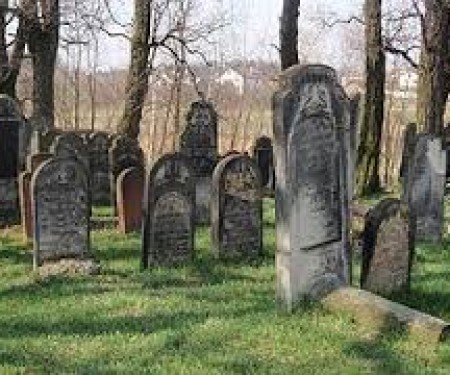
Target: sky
[{"x": 251, "y": 31}]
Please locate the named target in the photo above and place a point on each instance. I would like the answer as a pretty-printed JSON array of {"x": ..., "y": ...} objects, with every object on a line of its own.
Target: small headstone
[
  {"x": 61, "y": 210},
  {"x": 199, "y": 144},
  {"x": 426, "y": 188},
  {"x": 236, "y": 209},
  {"x": 71, "y": 145},
  {"x": 388, "y": 246},
  {"x": 263, "y": 154},
  {"x": 124, "y": 153},
  {"x": 169, "y": 229},
  {"x": 130, "y": 191},
  {"x": 98, "y": 145},
  {"x": 312, "y": 217}
]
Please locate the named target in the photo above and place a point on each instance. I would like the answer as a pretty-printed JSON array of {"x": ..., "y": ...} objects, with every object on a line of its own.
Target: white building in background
[{"x": 231, "y": 76}]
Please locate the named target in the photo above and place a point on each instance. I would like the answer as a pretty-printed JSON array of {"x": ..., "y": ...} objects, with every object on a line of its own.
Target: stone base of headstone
[
  {"x": 203, "y": 200},
  {"x": 69, "y": 267},
  {"x": 382, "y": 314}
]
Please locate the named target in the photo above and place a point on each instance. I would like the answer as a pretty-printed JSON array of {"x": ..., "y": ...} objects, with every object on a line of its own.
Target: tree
[
  {"x": 368, "y": 158},
  {"x": 289, "y": 33}
]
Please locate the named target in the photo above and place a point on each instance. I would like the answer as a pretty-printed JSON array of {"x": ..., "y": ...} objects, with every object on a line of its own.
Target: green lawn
[{"x": 206, "y": 318}]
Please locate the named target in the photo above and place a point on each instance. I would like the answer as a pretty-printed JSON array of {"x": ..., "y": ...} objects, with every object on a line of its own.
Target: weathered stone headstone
[
  {"x": 310, "y": 123},
  {"x": 427, "y": 187},
  {"x": 169, "y": 229},
  {"x": 124, "y": 153},
  {"x": 11, "y": 128},
  {"x": 61, "y": 210},
  {"x": 355, "y": 109},
  {"x": 388, "y": 247},
  {"x": 71, "y": 145},
  {"x": 236, "y": 208},
  {"x": 263, "y": 154},
  {"x": 199, "y": 144},
  {"x": 409, "y": 140},
  {"x": 98, "y": 145},
  {"x": 130, "y": 191}
]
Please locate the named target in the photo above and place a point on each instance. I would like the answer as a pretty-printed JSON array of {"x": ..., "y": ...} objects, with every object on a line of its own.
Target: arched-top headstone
[
  {"x": 61, "y": 210},
  {"x": 130, "y": 192},
  {"x": 98, "y": 145},
  {"x": 263, "y": 154},
  {"x": 199, "y": 139},
  {"x": 236, "y": 208},
  {"x": 388, "y": 247},
  {"x": 169, "y": 229},
  {"x": 311, "y": 121},
  {"x": 71, "y": 145}
]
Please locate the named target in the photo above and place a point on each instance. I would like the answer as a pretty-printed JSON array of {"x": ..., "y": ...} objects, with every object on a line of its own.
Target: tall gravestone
[
  {"x": 199, "y": 144},
  {"x": 426, "y": 189},
  {"x": 388, "y": 247},
  {"x": 355, "y": 113},
  {"x": 130, "y": 191},
  {"x": 61, "y": 210},
  {"x": 168, "y": 237},
  {"x": 263, "y": 154},
  {"x": 11, "y": 160},
  {"x": 310, "y": 123},
  {"x": 124, "y": 153},
  {"x": 236, "y": 208},
  {"x": 98, "y": 145}
]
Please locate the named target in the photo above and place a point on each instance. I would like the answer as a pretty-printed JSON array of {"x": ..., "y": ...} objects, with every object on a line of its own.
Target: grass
[{"x": 205, "y": 318}]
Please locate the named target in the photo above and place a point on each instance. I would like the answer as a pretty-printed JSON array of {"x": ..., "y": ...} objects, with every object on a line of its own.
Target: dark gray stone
[
  {"x": 236, "y": 209},
  {"x": 409, "y": 140},
  {"x": 427, "y": 187},
  {"x": 311, "y": 123},
  {"x": 98, "y": 145},
  {"x": 168, "y": 236},
  {"x": 263, "y": 155},
  {"x": 61, "y": 210},
  {"x": 71, "y": 145},
  {"x": 388, "y": 247}
]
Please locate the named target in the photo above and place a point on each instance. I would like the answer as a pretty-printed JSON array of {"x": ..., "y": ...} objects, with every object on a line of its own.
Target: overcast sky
[{"x": 252, "y": 32}]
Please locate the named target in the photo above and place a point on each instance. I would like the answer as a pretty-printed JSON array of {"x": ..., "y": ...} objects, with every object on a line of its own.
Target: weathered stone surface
[
  {"x": 409, "y": 140},
  {"x": 35, "y": 160},
  {"x": 98, "y": 145},
  {"x": 130, "y": 191},
  {"x": 427, "y": 187},
  {"x": 355, "y": 107},
  {"x": 263, "y": 154},
  {"x": 168, "y": 236},
  {"x": 236, "y": 208},
  {"x": 310, "y": 125},
  {"x": 388, "y": 246},
  {"x": 61, "y": 210},
  {"x": 124, "y": 153},
  {"x": 71, "y": 145}
]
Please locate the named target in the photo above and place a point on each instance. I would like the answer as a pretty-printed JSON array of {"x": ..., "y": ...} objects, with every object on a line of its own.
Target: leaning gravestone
[
  {"x": 426, "y": 190},
  {"x": 124, "y": 153},
  {"x": 61, "y": 210},
  {"x": 263, "y": 154},
  {"x": 11, "y": 159},
  {"x": 310, "y": 123},
  {"x": 388, "y": 247},
  {"x": 236, "y": 208},
  {"x": 130, "y": 191},
  {"x": 98, "y": 145},
  {"x": 71, "y": 144},
  {"x": 199, "y": 144},
  {"x": 168, "y": 237}
]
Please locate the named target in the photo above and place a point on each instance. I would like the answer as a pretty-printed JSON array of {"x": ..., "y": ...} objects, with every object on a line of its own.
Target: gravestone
[
  {"x": 11, "y": 160},
  {"x": 130, "y": 191},
  {"x": 61, "y": 210},
  {"x": 356, "y": 111},
  {"x": 98, "y": 145},
  {"x": 124, "y": 153},
  {"x": 427, "y": 187},
  {"x": 168, "y": 237},
  {"x": 199, "y": 144},
  {"x": 236, "y": 208},
  {"x": 388, "y": 247},
  {"x": 33, "y": 163},
  {"x": 71, "y": 145},
  {"x": 263, "y": 154},
  {"x": 409, "y": 140},
  {"x": 312, "y": 217}
]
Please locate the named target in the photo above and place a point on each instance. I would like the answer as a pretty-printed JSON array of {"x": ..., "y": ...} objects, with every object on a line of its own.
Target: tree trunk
[
  {"x": 289, "y": 33},
  {"x": 436, "y": 54},
  {"x": 368, "y": 158},
  {"x": 138, "y": 74}
]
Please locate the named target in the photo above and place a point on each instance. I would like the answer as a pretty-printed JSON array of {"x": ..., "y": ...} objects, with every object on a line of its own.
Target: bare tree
[{"x": 289, "y": 33}]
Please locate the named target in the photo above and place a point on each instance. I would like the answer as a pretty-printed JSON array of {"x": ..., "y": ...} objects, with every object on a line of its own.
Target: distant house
[{"x": 231, "y": 76}]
